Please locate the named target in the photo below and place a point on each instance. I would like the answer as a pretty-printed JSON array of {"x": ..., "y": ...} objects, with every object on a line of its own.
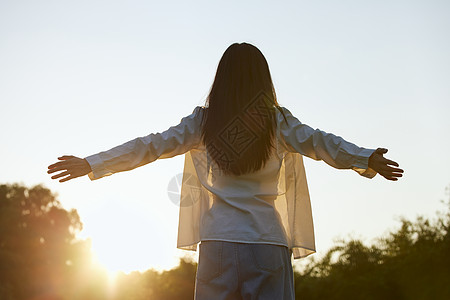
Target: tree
[
  {"x": 38, "y": 251},
  {"x": 175, "y": 284},
  {"x": 412, "y": 262}
]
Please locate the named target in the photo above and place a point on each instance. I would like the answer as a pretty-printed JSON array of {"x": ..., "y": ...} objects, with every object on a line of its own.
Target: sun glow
[
  {"x": 127, "y": 236},
  {"x": 123, "y": 237},
  {"x": 114, "y": 257}
]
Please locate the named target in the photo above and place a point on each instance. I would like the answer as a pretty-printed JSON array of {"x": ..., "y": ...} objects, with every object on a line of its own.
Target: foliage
[
  {"x": 38, "y": 253},
  {"x": 175, "y": 284},
  {"x": 410, "y": 263},
  {"x": 40, "y": 258}
]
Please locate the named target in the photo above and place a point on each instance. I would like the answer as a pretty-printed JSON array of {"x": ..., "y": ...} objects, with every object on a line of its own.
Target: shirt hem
[{"x": 246, "y": 242}]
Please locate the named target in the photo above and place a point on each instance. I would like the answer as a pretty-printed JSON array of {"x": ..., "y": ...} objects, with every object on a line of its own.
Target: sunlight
[
  {"x": 111, "y": 275},
  {"x": 111, "y": 272},
  {"x": 115, "y": 258},
  {"x": 125, "y": 239}
]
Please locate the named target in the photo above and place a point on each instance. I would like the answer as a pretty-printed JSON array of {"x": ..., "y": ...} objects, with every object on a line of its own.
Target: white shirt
[{"x": 270, "y": 205}]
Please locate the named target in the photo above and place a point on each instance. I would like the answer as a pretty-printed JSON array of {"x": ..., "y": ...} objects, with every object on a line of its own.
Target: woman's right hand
[
  {"x": 382, "y": 165},
  {"x": 72, "y": 166}
]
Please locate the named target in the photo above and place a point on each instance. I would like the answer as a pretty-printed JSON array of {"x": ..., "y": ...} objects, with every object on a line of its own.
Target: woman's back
[{"x": 243, "y": 205}]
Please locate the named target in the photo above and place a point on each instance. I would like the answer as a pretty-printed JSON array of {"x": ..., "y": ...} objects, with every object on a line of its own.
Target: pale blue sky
[{"x": 79, "y": 77}]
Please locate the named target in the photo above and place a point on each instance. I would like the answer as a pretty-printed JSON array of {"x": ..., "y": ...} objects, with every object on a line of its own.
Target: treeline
[
  {"x": 40, "y": 258},
  {"x": 411, "y": 263}
]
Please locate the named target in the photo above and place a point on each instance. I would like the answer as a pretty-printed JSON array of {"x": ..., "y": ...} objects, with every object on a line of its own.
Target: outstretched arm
[
  {"x": 336, "y": 151},
  {"x": 135, "y": 153}
]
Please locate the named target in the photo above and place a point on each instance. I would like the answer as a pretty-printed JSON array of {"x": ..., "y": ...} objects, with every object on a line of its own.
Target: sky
[{"x": 80, "y": 77}]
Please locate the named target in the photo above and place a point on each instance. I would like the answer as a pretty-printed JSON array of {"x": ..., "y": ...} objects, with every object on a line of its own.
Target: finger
[
  {"x": 381, "y": 150},
  {"x": 65, "y": 157},
  {"x": 60, "y": 175},
  {"x": 68, "y": 178},
  {"x": 56, "y": 170},
  {"x": 390, "y": 178},
  {"x": 395, "y": 175},
  {"x": 390, "y": 175},
  {"x": 390, "y": 162},
  {"x": 391, "y": 169},
  {"x": 54, "y": 165},
  {"x": 59, "y": 163},
  {"x": 392, "y": 172},
  {"x": 64, "y": 165}
]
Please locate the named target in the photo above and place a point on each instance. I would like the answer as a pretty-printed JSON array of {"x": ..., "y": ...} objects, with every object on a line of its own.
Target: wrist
[{"x": 87, "y": 165}]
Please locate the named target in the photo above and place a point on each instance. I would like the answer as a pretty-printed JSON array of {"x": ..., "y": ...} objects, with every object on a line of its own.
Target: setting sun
[{"x": 125, "y": 237}]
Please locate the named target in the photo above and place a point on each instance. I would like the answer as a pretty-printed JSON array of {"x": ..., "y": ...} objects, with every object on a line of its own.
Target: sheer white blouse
[{"x": 271, "y": 205}]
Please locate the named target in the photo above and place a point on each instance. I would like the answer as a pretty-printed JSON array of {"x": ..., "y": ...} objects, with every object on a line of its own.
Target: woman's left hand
[
  {"x": 383, "y": 166},
  {"x": 71, "y": 166}
]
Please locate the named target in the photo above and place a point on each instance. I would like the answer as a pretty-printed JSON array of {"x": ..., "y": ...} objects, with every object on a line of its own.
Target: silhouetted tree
[
  {"x": 175, "y": 284},
  {"x": 410, "y": 263},
  {"x": 38, "y": 251}
]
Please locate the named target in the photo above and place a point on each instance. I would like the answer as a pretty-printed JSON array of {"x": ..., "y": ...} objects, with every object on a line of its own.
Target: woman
[{"x": 244, "y": 194}]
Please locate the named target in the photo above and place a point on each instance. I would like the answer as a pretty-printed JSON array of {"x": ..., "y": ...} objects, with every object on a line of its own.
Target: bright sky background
[{"x": 79, "y": 77}]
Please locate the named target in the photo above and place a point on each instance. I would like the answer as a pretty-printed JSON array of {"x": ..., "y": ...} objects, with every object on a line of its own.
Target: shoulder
[
  {"x": 283, "y": 110},
  {"x": 196, "y": 116},
  {"x": 199, "y": 109},
  {"x": 283, "y": 114}
]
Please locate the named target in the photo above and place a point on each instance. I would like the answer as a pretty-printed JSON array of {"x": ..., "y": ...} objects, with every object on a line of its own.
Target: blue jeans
[{"x": 230, "y": 270}]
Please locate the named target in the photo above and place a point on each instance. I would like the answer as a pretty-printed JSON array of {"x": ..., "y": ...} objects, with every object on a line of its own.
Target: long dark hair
[{"x": 238, "y": 126}]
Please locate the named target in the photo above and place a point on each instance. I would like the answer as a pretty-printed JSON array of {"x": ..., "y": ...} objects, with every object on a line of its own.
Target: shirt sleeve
[
  {"x": 320, "y": 145},
  {"x": 174, "y": 141}
]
